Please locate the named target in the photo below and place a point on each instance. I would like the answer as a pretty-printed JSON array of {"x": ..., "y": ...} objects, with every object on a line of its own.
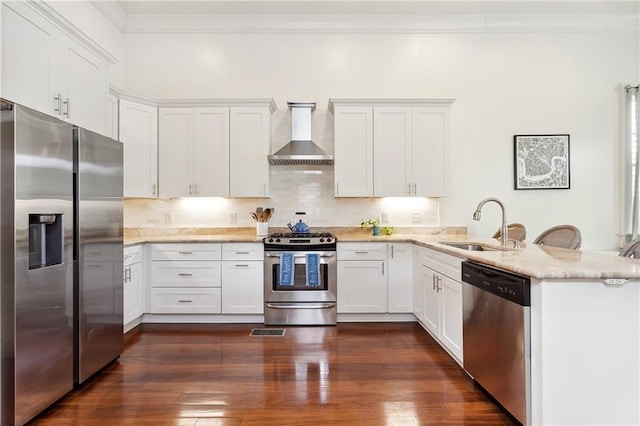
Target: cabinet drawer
[
  {"x": 446, "y": 264},
  {"x": 185, "y": 274},
  {"x": 192, "y": 251},
  {"x": 185, "y": 300},
  {"x": 243, "y": 251},
  {"x": 132, "y": 254},
  {"x": 362, "y": 251}
]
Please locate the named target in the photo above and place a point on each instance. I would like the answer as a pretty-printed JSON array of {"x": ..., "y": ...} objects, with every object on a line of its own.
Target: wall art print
[{"x": 541, "y": 161}]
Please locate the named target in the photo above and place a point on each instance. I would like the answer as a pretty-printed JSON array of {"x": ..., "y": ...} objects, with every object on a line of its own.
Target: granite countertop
[{"x": 529, "y": 260}]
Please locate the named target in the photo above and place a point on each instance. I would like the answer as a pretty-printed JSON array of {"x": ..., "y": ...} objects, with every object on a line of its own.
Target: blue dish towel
[
  {"x": 313, "y": 270},
  {"x": 286, "y": 269}
]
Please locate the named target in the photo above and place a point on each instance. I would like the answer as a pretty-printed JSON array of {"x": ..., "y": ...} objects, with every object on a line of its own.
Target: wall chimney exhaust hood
[{"x": 301, "y": 150}]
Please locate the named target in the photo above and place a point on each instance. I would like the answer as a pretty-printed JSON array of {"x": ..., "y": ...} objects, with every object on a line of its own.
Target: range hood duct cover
[{"x": 301, "y": 150}]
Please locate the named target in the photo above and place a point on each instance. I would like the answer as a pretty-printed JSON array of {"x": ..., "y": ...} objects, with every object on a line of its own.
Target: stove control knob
[
  {"x": 322, "y": 240},
  {"x": 270, "y": 240},
  {"x": 328, "y": 240},
  {"x": 277, "y": 240}
]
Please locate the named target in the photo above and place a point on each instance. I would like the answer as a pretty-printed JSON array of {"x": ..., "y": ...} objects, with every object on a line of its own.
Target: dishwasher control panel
[{"x": 507, "y": 285}]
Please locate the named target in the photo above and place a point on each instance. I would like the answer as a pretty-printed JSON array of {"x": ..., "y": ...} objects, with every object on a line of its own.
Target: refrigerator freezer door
[
  {"x": 99, "y": 204},
  {"x": 37, "y": 304}
]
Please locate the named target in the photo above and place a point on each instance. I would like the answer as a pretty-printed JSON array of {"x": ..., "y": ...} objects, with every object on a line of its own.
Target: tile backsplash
[{"x": 293, "y": 188}]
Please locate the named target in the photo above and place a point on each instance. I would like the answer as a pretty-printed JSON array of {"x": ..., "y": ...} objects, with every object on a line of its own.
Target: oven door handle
[
  {"x": 300, "y": 256},
  {"x": 305, "y": 306}
]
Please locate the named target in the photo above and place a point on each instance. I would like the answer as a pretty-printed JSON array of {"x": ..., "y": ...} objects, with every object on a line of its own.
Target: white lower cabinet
[
  {"x": 242, "y": 291},
  {"x": 375, "y": 278},
  {"x": 186, "y": 278},
  {"x": 362, "y": 286},
  {"x": 362, "y": 277},
  {"x": 242, "y": 278},
  {"x": 133, "y": 285},
  {"x": 400, "y": 278},
  {"x": 441, "y": 313}
]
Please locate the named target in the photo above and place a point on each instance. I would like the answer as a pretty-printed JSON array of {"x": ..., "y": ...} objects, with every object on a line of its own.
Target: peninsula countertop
[{"x": 531, "y": 260}]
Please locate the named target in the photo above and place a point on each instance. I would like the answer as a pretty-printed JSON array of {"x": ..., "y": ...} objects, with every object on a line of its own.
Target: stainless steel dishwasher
[{"x": 496, "y": 333}]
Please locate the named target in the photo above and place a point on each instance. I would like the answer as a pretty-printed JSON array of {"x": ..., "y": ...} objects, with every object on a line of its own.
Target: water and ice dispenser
[{"x": 46, "y": 240}]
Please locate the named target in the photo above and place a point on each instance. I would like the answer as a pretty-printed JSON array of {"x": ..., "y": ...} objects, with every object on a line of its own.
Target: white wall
[{"x": 504, "y": 84}]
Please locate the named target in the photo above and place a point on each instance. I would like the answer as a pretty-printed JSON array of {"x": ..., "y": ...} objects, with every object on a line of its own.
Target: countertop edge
[{"x": 538, "y": 262}]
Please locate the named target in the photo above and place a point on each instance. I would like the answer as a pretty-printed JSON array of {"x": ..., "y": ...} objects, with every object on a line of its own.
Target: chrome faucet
[{"x": 504, "y": 237}]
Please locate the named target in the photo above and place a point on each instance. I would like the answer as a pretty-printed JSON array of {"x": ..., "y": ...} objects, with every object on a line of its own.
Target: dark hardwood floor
[{"x": 351, "y": 374}]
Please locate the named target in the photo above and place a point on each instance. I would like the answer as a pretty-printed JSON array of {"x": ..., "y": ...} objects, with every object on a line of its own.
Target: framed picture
[{"x": 541, "y": 161}]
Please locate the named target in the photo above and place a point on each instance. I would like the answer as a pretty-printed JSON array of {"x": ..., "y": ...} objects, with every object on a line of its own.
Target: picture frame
[{"x": 541, "y": 162}]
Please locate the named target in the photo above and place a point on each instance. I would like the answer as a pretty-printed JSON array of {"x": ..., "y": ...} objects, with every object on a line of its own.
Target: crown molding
[
  {"x": 192, "y": 103},
  {"x": 336, "y": 102},
  {"x": 385, "y": 24},
  {"x": 133, "y": 97},
  {"x": 68, "y": 27},
  {"x": 112, "y": 11}
]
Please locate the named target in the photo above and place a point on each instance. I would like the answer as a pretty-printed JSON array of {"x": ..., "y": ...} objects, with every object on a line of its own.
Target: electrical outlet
[
  {"x": 168, "y": 218},
  {"x": 385, "y": 217},
  {"x": 233, "y": 218},
  {"x": 416, "y": 217}
]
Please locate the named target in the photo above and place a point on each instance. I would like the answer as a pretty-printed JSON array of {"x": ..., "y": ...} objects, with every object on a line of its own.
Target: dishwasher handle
[{"x": 506, "y": 285}]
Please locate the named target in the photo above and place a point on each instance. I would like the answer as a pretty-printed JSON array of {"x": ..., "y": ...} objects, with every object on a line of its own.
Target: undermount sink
[{"x": 471, "y": 246}]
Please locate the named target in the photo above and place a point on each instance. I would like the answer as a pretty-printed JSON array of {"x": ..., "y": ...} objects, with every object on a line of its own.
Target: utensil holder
[{"x": 262, "y": 229}]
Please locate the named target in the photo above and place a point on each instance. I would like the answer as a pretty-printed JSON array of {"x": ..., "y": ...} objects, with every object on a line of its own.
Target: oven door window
[{"x": 299, "y": 281}]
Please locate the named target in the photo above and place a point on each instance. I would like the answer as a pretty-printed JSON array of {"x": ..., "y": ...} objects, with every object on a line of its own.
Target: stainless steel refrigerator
[{"x": 61, "y": 258}]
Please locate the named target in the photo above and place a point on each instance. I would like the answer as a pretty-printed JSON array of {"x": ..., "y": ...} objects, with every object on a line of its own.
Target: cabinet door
[
  {"x": 82, "y": 82},
  {"x": 431, "y": 306},
  {"x": 175, "y": 151},
  {"x": 211, "y": 152},
  {"x": 362, "y": 286},
  {"x": 133, "y": 293},
  {"x": 112, "y": 117},
  {"x": 28, "y": 44},
  {"x": 418, "y": 286},
  {"x": 400, "y": 285},
  {"x": 391, "y": 153},
  {"x": 429, "y": 151},
  {"x": 139, "y": 134},
  {"x": 242, "y": 287},
  {"x": 451, "y": 326},
  {"x": 353, "y": 151},
  {"x": 250, "y": 141}
]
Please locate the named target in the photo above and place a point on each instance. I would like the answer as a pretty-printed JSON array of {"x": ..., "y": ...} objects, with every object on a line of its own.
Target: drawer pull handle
[
  {"x": 242, "y": 252},
  {"x": 362, "y": 252},
  {"x": 185, "y": 252},
  {"x": 185, "y": 301},
  {"x": 242, "y": 266},
  {"x": 185, "y": 275}
]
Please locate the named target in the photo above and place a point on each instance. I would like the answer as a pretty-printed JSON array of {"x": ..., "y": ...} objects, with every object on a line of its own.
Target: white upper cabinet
[
  {"x": 139, "y": 134},
  {"x": 392, "y": 151},
  {"x": 112, "y": 117},
  {"x": 49, "y": 71},
  {"x": 82, "y": 86},
  {"x": 353, "y": 151},
  {"x": 194, "y": 152},
  {"x": 250, "y": 142},
  {"x": 429, "y": 150},
  {"x": 390, "y": 148},
  {"x": 28, "y": 48},
  {"x": 175, "y": 152},
  {"x": 211, "y": 152}
]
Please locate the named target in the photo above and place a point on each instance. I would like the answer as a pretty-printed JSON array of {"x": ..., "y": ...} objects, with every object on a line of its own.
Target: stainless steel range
[{"x": 300, "y": 279}]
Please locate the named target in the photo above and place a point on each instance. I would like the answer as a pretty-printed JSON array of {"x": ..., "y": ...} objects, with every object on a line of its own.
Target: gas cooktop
[{"x": 292, "y": 241}]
